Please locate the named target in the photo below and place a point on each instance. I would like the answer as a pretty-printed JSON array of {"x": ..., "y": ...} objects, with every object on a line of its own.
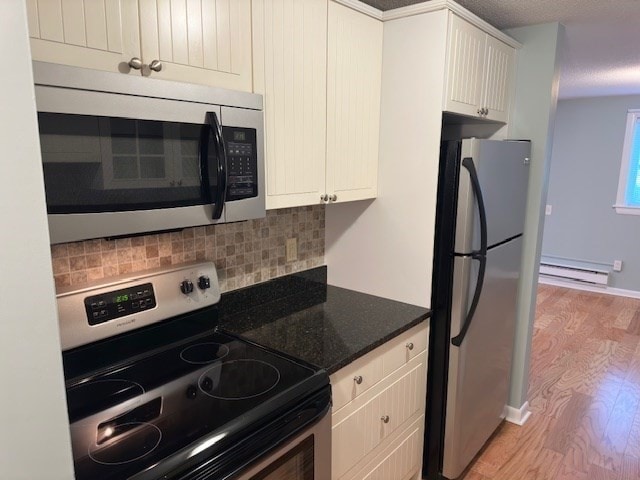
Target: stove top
[{"x": 179, "y": 394}]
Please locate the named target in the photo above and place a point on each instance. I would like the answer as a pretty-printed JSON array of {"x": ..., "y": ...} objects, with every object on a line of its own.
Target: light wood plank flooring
[{"x": 584, "y": 394}]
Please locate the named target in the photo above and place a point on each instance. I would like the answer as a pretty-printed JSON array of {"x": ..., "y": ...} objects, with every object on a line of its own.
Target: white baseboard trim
[
  {"x": 620, "y": 292},
  {"x": 519, "y": 416}
]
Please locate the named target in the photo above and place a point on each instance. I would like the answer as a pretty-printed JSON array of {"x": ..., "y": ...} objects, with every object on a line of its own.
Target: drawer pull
[
  {"x": 410, "y": 345},
  {"x": 385, "y": 419},
  {"x": 358, "y": 379}
]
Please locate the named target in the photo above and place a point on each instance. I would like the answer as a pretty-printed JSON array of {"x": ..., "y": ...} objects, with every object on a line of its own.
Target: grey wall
[
  {"x": 34, "y": 437},
  {"x": 533, "y": 118},
  {"x": 583, "y": 185}
]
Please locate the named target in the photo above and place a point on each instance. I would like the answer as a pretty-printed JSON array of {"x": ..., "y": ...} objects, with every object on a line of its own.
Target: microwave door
[{"x": 213, "y": 164}]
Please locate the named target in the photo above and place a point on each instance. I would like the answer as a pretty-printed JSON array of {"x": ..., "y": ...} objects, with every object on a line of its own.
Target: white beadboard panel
[
  {"x": 465, "y": 67},
  {"x": 199, "y": 41},
  {"x": 194, "y": 27},
  {"x": 354, "y": 70},
  {"x": 32, "y": 18},
  {"x": 50, "y": 20},
  {"x": 289, "y": 62},
  {"x": 96, "y": 24},
  {"x": 225, "y": 25},
  {"x": 98, "y": 34},
  {"x": 401, "y": 461},
  {"x": 363, "y": 430},
  {"x": 499, "y": 67},
  {"x": 73, "y": 22}
]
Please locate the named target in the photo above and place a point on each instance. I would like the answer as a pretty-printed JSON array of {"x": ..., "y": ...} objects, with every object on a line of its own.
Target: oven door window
[
  {"x": 106, "y": 164},
  {"x": 296, "y": 464}
]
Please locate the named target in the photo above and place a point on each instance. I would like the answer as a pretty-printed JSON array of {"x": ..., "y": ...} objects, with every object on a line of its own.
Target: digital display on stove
[{"x": 119, "y": 303}]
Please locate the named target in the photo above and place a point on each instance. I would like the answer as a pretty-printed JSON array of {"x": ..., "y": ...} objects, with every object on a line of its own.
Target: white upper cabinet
[
  {"x": 290, "y": 71},
  {"x": 195, "y": 41},
  {"x": 353, "y": 104},
  {"x": 321, "y": 88},
  {"x": 199, "y": 41},
  {"x": 480, "y": 72},
  {"x": 85, "y": 33}
]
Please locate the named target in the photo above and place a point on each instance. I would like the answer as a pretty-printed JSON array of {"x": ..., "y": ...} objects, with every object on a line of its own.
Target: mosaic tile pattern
[{"x": 244, "y": 253}]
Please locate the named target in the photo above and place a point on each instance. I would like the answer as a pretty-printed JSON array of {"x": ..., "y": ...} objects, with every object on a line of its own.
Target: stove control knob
[
  {"x": 206, "y": 384},
  {"x": 204, "y": 282},
  {"x": 186, "y": 287},
  {"x": 192, "y": 392}
]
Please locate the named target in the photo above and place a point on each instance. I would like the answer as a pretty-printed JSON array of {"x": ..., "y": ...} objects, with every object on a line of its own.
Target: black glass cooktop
[{"x": 140, "y": 403}]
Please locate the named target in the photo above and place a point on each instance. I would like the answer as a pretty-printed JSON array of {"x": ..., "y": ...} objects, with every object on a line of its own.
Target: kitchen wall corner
[{"x": 245, "y": 253}]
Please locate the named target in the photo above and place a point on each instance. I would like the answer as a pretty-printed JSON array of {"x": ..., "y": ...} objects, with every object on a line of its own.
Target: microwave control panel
[
  {"x": 118, "y": 303},
  {"x": 242, "y": 162}
]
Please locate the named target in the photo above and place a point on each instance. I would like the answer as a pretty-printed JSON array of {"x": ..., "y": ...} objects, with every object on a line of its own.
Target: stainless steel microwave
[{"x": 125, "y": 155}]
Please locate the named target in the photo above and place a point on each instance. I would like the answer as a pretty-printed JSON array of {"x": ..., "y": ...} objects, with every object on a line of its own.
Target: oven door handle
[{"x": 217, "y": 164}]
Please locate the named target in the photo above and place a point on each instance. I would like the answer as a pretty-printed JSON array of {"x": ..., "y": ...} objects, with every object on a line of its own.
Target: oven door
[{"x": 306, "y": 457}]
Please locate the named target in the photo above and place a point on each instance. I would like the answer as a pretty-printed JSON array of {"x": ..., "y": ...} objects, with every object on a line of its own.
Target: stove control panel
[
  {"x": 118, "y": 303},
  {"x": 115, "y": 305}
]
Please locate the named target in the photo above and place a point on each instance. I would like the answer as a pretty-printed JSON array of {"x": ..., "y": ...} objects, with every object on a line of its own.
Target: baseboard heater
[{"x": 576, "y": 274}]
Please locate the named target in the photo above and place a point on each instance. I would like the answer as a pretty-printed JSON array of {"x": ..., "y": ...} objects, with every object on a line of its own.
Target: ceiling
[{"x": 601, "y": 55}]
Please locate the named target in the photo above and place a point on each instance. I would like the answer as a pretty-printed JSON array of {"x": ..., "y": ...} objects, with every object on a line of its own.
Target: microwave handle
[{"x": 219, "y": 164}]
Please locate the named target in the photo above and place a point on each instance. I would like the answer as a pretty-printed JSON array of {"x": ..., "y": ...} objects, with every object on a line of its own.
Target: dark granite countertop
[{"x": 302, "y": 316}]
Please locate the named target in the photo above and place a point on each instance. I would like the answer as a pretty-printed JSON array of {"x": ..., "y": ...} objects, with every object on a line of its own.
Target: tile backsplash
[{"x": 244, "y": 253}]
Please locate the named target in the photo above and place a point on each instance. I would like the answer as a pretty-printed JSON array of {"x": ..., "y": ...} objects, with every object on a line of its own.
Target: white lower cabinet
[{"x": 378, "y": 422}]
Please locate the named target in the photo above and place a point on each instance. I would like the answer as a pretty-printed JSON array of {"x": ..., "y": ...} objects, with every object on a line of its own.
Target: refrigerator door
[
  {"x": 503, "y": 173},
  {"x": 479, "y": 369}
]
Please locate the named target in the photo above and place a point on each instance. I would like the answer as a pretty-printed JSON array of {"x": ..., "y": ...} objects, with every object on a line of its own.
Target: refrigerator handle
[{"x": 480, "y": 255}]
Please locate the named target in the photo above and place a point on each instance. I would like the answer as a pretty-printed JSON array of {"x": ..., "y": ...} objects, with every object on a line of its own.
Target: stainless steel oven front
[
  {"x": 125, "y": 155},
  {"x": 306, "y": 457}
]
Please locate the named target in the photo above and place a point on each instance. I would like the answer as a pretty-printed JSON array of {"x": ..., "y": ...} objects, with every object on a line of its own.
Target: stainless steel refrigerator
[{"x": 482, "y": 193}]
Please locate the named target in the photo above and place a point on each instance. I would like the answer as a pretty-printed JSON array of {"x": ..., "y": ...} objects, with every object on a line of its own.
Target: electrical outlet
[
  {"x": 292, "y": 249},
  {"x": 617, "y": 265},
  {"x": 548, "y": 210}
]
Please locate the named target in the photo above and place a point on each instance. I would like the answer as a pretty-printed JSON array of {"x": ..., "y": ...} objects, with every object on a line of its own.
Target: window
[{"x": 628, "y": 200}]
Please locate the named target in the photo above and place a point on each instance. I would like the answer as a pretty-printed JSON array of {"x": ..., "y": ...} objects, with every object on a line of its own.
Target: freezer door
[
  {"x": 479, "y": 369},
  {"x": 503, "y": 174}
]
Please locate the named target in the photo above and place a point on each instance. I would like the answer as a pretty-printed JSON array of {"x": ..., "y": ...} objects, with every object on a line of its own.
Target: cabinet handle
[
  {"x": 358, "y": 379},
  {"x": 155, "y": 65},
  {"x": 410, "y": 345},
  {"x": 172, "y": 183},
  {"x": 486, "y": 112},
  {"x": 480, "y": 110},
  {"x": 333, "y": 197},
  {"x": 324, "y": 198},
  {"x": 135, "y": 63},
  {"x": 385, "y": 418},
  {"x": 179, "y": 183}
]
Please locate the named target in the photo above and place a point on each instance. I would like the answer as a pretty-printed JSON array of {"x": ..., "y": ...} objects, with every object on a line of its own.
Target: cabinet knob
[
  {"x": 333, "y": 197},
  {"x": 358, "y": 379},
  {"x": 155, "y": 65},
  {"x": 480, "y": 110},
  {"x": 135, "y": 63},
  {"x": 324, "y": 198},
  {"x": 486, "y": 112},
  {"x": 410, "y": 345},
  {"x": 385, "y": 418}
]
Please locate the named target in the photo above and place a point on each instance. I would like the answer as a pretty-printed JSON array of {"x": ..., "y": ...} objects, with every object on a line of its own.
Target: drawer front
[
  {"x": 355, "y": 379},
  {"x": 369, "y": 424},
  {"x": 403, "y": 460},
  {"x": 404, "y": 348}
]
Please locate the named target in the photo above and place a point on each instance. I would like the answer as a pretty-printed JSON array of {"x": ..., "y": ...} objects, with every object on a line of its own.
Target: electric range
[{"x": 174, "y": 397}]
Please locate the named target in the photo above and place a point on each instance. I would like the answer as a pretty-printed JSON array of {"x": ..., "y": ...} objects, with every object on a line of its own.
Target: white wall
[
  {"x": 533, "y": 118},
  {"x": 34, "y": 432},
  {"x": 395, "y": 260}
]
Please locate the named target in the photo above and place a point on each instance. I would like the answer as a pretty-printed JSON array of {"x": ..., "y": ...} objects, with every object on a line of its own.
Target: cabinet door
[
  {"x": 465, "y": 67},
  {"x": 290, "y": 71},
  {"x": 199, "y": 41},
  {"x": 498, "y": 79},
  {"x": 85, "y": 33},
  {"x": 353, "y": 103}
]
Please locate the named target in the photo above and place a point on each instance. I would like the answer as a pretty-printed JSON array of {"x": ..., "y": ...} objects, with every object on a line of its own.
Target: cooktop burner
[
  {"x": 204, "y": 353},
  {"x": 239, "y": 379}
]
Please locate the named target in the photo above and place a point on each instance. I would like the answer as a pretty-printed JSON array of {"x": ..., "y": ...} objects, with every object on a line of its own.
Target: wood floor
[{"x": 584, "y": 394}]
